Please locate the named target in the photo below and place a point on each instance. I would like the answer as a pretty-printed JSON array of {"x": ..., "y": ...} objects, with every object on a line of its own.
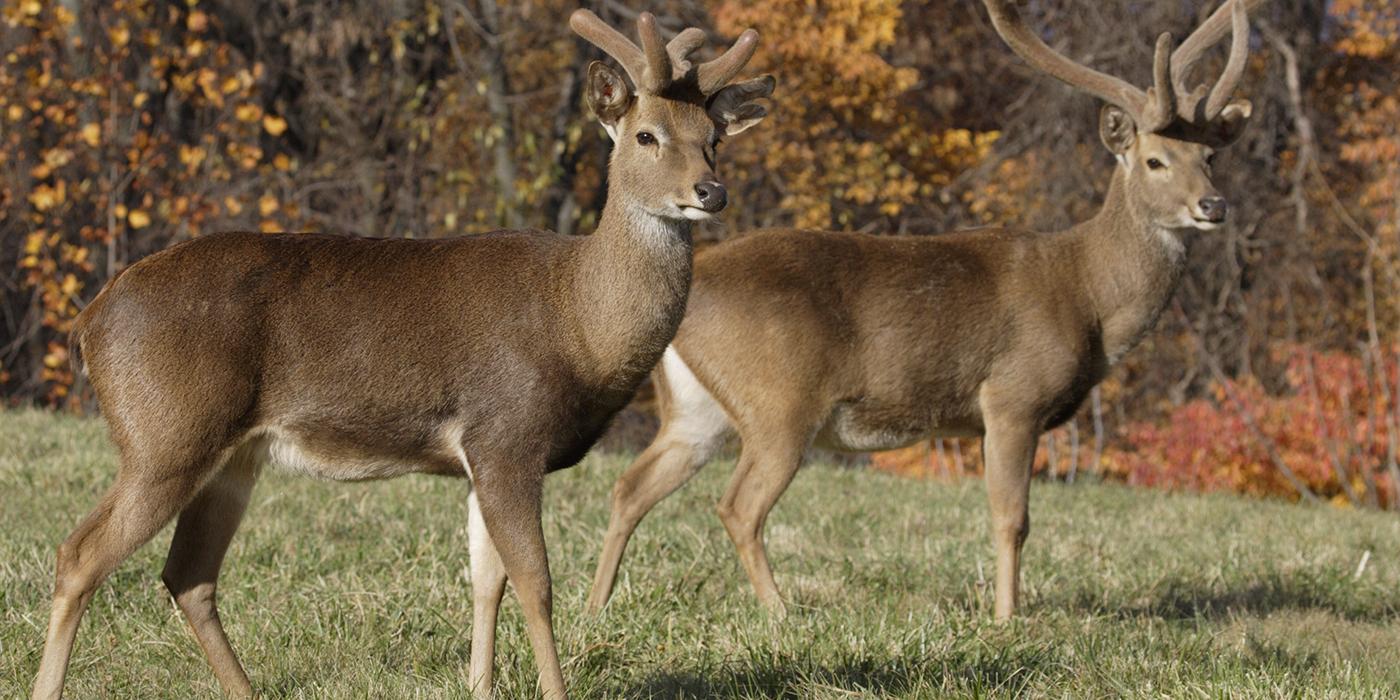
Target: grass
[{"x": 357, "y": 590}]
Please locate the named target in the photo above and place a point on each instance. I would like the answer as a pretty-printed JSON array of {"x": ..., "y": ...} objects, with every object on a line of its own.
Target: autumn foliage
[
  {"x": 1330, "y": 433},
  {"x": 139, "y": 131},
  {"x": 129, "y": 125}
]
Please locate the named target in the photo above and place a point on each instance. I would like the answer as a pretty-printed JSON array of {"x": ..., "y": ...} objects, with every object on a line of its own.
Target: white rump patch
[{"x": 696, "y": 417}]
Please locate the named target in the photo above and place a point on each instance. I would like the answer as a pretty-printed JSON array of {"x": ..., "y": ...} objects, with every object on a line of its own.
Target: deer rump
[{"x": 349, "y": 358}]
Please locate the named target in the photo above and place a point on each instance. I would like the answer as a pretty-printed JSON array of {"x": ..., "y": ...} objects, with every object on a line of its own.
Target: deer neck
[
  {"x": 628, "y": 292},
  {"x": 1130, "y": 267}
]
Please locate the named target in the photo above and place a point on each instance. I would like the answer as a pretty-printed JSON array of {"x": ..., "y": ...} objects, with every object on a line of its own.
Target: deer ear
[
  {"x": 733, "y": 107},
  {"x": 1232, "y": 120},
  {"x": 607, "y": 94},
  {"x": 1117, "y": 129}
]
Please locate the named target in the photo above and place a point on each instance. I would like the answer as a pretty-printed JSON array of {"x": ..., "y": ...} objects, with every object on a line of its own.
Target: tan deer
[
  {"x": 498, "y": 357},
  {"x": 856, "y": 342}
]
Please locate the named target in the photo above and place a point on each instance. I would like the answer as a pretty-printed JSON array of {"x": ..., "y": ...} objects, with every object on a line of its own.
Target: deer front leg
[
  {"x": 509, "y": 506},
  {"x": 1008, "y": 449}
]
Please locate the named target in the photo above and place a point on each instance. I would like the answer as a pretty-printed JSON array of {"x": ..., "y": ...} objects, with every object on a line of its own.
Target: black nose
[
  {"x": 712, "y": 196},
  {"x": 1214, "y": 209}
]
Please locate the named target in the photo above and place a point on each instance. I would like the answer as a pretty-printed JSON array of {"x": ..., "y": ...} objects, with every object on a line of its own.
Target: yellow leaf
[
  {"x": 57, "y": 157},
  {"x": 91, "y": 134},
  {"x": 15, "y": 113},
  {"x": 191, "y": 155},
  {"x": 248, "y": 113},
  {"x": 197, "y": 22},
  {"x": 267, "y": 204},
  {"x": 45, "y": 197},
  {"x": 282, "y": 162},
  {"x": 33, "y": 243},
  {"x": 70, "y": 286},
  {"x": 119, "y": 36},
  {"x": 269, "y": 226},
  {"x": 31, "y": 7},
  {"x": 233, "y": 206},
  {"x": 138, "y": 218},
  {"x": 274, "y": 125}
]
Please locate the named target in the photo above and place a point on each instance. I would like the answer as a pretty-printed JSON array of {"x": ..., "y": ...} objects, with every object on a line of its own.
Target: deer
[
  {"x": 856, "y": 342},
  {"x": 498, "y": 358}
]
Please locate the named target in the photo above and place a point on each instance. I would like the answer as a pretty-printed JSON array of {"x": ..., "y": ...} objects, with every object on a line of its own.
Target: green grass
[{"x": 339, "y": 590}]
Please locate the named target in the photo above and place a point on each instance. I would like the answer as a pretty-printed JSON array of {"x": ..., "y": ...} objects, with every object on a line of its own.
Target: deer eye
[
  {"x": 645, "y": 138},
  {"x": 1155, "y": 164}
]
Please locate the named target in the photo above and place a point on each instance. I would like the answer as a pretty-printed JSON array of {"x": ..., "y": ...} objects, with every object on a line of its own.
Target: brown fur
[
  {"x": 855, "y": 342},
  {"x": 500, "y": 357}
]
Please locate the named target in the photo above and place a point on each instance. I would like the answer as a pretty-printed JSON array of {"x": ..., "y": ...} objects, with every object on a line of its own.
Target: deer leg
[
  {"x": 130, "y": 513},
  {"x": 510, "y": 507},
  {"x": 202, "y": 535},
  {"x": 663, "y": 467},
  {"x": 764, "y": 472},
  {"x": 488, "y": 585},
  {"x": 1008, "y": 449}
]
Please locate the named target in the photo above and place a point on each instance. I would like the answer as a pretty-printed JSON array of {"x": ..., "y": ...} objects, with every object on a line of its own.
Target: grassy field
[{"x": 335, "y": 590}]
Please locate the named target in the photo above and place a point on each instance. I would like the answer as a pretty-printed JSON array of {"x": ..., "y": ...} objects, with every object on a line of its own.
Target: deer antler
[
  {"x": 713, "y": 75},
  {"x": 1169, "y": 97},
  {"x": 648, "y": 66},
  {"x": 653, "y": 67},
  {"x": 680, "y": 49},
  {"x": 1152, "y": 110},
  {"x": 1233, "y": 15}
]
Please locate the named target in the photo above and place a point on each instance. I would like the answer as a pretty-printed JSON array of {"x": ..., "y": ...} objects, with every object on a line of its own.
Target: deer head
[
  {"x": 666, "y": 130},
  {"x": 1164, "y": 137}
]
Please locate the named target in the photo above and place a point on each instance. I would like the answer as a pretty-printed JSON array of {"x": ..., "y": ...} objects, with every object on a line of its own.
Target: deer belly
[
  {"x": 865, "y": 428},
  {"x": 341, "y": 461}
]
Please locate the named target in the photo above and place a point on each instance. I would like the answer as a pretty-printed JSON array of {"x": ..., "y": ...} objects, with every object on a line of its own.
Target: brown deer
[
  {"x": 856, "y": 342},
  {"x": 498, "y": 357}
]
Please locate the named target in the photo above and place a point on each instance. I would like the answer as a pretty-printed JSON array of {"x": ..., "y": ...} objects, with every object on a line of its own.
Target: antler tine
[
  {"x": 658, "y": 63},
  {"x": 1160, "y": 107},
  {"x": 612, "y": 42},
  {"x": 1234, "y": 67},
  {"x": 680, "y": 48},
  {"x": 1207, "y": 35},
  {"x": 1027, "y": 45},
  {"x": 713, "y": 75}
]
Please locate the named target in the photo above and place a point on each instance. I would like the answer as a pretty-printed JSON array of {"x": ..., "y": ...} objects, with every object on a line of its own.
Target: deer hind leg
[
  {"x": 694, "y": 428},
  {"x": 510, "y": 508},
  {"x": 488, "y": 585},
  {"x": 766, "y": 467},
  {"x": 1008, "y": 449},
  {"x": 202, "y": 535},
  {"x": 146, "y": 495}
]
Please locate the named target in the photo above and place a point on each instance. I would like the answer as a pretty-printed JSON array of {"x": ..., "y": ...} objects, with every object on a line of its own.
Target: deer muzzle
[{"x": 712, "y": 196}]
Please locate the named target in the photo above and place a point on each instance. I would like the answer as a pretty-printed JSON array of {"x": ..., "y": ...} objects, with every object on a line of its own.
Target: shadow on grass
[
  {"x": 1007, "y": 672},
  {"x": 1183, "y": 599}
]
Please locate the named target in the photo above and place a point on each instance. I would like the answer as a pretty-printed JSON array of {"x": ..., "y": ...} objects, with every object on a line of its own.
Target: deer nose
[
  {"x": 1214, "y": 209},
  {"x": 712, "y": 196}
]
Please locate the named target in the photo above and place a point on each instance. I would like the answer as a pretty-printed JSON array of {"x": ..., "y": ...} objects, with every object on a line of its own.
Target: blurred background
[{"x": 128, "y": 125}]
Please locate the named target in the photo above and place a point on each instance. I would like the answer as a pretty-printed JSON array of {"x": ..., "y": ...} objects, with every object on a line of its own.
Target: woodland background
[{"x": 128, "y": 125}]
